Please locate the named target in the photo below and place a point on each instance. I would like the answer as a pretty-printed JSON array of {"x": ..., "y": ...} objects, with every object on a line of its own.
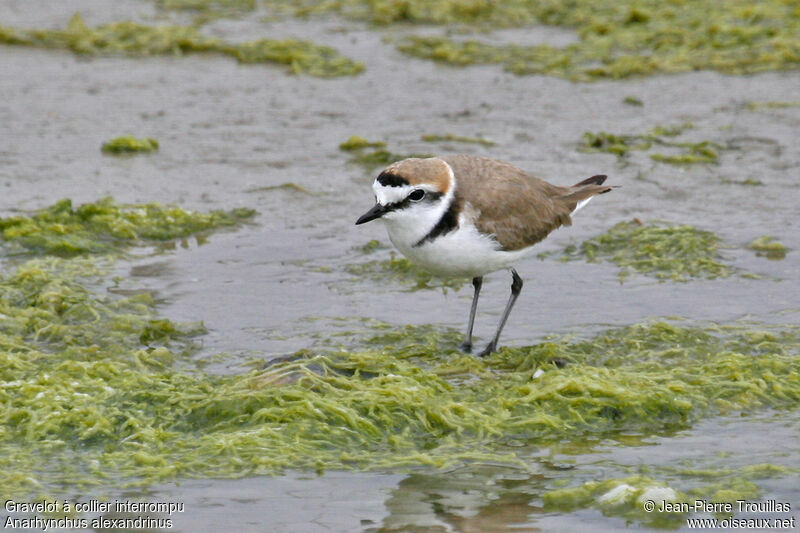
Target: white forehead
[{"x": 386, "y": 195}]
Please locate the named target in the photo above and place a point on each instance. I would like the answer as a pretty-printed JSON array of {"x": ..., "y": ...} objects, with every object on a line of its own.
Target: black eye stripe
[{"x": 429, "y": 197}]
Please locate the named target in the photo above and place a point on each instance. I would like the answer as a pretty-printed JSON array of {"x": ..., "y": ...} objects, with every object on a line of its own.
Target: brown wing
[{"x": 517, "y": 208}]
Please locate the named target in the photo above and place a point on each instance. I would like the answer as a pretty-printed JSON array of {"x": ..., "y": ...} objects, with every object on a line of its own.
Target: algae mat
[
  {"x": 129, "y": 38},
  {"x": 100, "y": 392}
]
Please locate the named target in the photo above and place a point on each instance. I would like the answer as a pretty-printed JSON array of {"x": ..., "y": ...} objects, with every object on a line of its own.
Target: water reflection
[{"x": 475, "y": 498}]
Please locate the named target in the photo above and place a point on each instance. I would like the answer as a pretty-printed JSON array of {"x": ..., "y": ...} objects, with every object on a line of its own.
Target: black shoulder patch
[
  {"x": 446, "y": 224},
  {"x": 387, "y": 179}
]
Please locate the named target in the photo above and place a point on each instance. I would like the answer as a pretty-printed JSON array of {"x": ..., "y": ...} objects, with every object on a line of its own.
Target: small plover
[{"x": 466, "y": 216}]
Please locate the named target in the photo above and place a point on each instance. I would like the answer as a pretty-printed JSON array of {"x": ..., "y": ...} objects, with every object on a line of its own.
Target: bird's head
[{"x": 411, "y": 189}]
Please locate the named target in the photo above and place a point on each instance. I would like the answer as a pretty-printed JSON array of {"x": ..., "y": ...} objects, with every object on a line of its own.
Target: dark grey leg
[
  {"x": 477, "y": 282},
  {"x": 516, "y": 288}
]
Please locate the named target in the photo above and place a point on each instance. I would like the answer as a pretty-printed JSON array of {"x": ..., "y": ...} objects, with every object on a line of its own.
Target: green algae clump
[
  {"x": 302, "y": 57},
  {"x": 614, "y": 144},
  {"x": 627, "y": 497},
  {"x": 622, "y": 144},
  {"x": 378, "y": 156},
  {"x": 105, "y": 226},
  {"x": 667, "y": 252},
  {"x": 767, "y": 246},
  {"x": 617, "y": 39},
  {"x": 701, "y": 152},
  {"x": 354, "y": 142},
  {"x": 623, "y": 497},
  {"x": 132, "y": 39},
  {"x": 371, "y": 246},
  {"x": 128, "y": 144}
]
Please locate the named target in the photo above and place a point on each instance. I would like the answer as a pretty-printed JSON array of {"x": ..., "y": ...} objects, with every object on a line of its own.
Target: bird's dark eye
[{"x": 416, "y": 195}]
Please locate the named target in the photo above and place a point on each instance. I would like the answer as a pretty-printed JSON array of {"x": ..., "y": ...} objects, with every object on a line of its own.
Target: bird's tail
[{"x": 579, "y": 194}]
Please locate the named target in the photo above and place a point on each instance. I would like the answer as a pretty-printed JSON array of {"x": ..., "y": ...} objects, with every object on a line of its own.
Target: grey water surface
[{"x": 231, "y": 134}]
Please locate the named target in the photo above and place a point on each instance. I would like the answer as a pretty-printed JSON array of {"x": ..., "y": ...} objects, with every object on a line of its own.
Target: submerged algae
[
  {"x": 758, "y": 106},
  {"x": 702, "y": 152},
  {"x": 104, "y": 226},
  {"x": 130, "y": 38},
  {"x": 129, "y": 144},
  {"x": 623, "y": 497},
  {"x": 302, "y": 57},
  {"x": 449, "y": 137},
  {"x": 667, "y": 252},
  {"x": 371, "y": 246},
  {"x": 617, "y": 39},
  {"x": 767, "y": 246},
  {"x": 400, "y": 270},
  {"x": 622, "y": 144},
  {"x": 354, "y": 142},
  {"x": 107, "y": 409},
  {"x": 218, "y": 7},
  {"x": 626, "y": 497},
  {"x": 380, "y": 158},
  {"x": 377, "y": 157}
]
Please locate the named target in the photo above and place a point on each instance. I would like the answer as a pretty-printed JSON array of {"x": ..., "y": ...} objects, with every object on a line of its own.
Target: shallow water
[{"x": 228, "y": 132}]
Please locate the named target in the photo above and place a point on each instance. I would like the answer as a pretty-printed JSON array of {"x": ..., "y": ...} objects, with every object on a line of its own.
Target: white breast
[{"x": 463, "y": 252}]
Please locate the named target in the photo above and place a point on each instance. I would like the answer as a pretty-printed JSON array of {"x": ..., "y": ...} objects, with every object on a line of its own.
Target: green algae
[
  {"x": 302, "y": 57},
  {"x": 218, "y": 8},
  {"x": 132, "y": 39},
  {"x": 205, "y": 5},
  {"x": 289, "y": 186},
  {"x": 105, "y": 226},
  {"x": 613, "y": 143},
  {"x": 759, "y": 106},
  {"x": 398, "y": 269},
  {"x": 632, "y": 101},
  {"x": 626, "y": 497},
  {"x": 616, "y": 39},
  {"x": 446, "y": 12},
  {"x": 101, "y": 392},
  {"x": 371, "y": 246},
  {"x": 666, "y": 252},
  {"x": 128, "y": 144},
  {"x": 449, "y": 137},
  {"x": 701, "y": 152},
  {"x": 750, "y": 182},
  {"x": 622, "y": 144},
  {"x": 378, "y": 156},
  {"x": 90, "y": 404},
  {"x": 768, "y": 247},
  {"x": 354, "y": 142},
  {"x": 754, "y": 471}
]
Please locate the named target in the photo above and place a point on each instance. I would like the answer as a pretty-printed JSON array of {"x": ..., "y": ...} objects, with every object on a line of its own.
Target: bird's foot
[
  {"x": 466, "y": 347},
  {"x": 491, "y": 348}
]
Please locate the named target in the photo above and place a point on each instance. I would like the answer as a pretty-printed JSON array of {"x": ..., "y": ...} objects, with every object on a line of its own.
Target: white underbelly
[{"x": 460, "y": 253}]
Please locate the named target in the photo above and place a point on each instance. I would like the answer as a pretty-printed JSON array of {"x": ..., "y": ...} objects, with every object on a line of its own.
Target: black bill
[{"x": 377, "y": 211}]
